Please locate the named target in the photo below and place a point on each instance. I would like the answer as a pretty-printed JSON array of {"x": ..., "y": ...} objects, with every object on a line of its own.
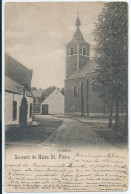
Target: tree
[
  {"x": 50, "y": 89},
  {"x": 33, "y": 88},
  {"x": 111, "y": 54}
]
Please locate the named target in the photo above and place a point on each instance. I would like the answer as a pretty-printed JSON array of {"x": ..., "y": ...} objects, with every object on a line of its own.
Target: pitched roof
[
  {"x": 17, "y": 72},
  {"x": 37, "y": 93},
  {"x": 14, "y": 87},
  {"x": 48, "y": 97},
  {"x": 88, "y": 67}
]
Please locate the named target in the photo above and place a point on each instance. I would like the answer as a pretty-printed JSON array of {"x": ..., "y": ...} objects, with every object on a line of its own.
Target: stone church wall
[
  {"x": 71, "y": 65},
  {"x": 72, "y": 103}
]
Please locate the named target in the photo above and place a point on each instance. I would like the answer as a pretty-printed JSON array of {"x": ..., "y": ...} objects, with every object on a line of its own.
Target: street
[
  {"x": 73, "y": 133},
  {"x": 82, "y": 132},
  {"x": 69, "y": 132}
]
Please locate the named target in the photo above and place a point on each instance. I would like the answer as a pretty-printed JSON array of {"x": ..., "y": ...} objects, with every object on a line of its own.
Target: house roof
[
  {"x": 88, "y": 67},
  {"x": 37, "y": 93},
  {"x": 14, "y": 87},
  {"x": 48, "y": 97},
  {"x": 17, "y": 72}
]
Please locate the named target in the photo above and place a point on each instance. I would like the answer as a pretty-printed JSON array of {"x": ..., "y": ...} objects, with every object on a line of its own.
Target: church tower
[{"x": 77, "y": 51}]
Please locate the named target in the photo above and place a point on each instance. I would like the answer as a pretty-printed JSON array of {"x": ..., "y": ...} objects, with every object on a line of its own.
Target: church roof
[
  {"x": 78, "y": 35},
  {"x": 78, "y": 23},
  {"x": 88, "y": 67}
]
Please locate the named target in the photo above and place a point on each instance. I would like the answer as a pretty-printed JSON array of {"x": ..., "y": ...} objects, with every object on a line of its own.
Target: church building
[{"x": 80, "y": 96}]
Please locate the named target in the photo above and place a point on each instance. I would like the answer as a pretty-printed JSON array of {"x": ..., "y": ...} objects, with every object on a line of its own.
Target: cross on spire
[{"x": 77, "y": 13}]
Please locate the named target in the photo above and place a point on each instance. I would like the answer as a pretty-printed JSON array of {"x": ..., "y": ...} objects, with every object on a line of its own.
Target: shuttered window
[{"x": 14, "y": 110}]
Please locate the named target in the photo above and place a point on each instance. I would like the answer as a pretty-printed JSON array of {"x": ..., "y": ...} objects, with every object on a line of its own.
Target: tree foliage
[
  {"x": 33, "y": 88},
  {"x": 50, "y": 89},
  {"x": 111, "y": 51}
]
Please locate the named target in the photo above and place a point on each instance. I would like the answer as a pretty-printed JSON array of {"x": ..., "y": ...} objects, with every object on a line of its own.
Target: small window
[
  {"x": 14, "y": 110},
  {"x": 71, "y": 51},
  {"x": 30, "y": 110},
  {"x": 75, "y": 90},
  {"x": 84, "y": 51},
  {"x": 94, "y": 86}
]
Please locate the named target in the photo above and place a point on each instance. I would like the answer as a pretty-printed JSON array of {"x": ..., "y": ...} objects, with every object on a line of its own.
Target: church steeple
[
  {"x": 77, "y": 51},
  {"x": 78, "y": 35},
  {"x": 78, "y": 23}
]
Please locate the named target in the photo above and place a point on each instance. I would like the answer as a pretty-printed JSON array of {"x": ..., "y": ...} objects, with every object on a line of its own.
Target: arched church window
[
  {"x": 71, "y": 51},
  {"x": 75, "y": 90},
  {"x": 14, "y": 110},
  {"x": 94, "y": 86},
  {"x": 84, "y": 51}
]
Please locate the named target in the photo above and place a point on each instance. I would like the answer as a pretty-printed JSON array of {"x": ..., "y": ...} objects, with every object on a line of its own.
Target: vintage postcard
[{"x": 65, "y": 97}]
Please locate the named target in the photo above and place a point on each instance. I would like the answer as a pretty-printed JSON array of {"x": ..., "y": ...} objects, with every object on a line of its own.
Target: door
[
  {"x": 45, "y": 109},
  {"x": 23, "y": 112}
]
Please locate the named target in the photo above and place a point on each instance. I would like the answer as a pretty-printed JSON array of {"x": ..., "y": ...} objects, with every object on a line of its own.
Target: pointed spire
[
  {"x": 78, "y": 23},
  {"x": 78, "y": 35}
]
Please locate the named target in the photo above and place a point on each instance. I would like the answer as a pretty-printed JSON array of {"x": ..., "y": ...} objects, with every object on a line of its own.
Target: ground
[
  {"x": 67, "y": 132},
  {"x": 33, "y": 134}
]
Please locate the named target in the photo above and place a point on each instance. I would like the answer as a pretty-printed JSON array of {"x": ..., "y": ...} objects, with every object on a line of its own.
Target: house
[
  {"x": 54, "y": 103},
  {"x": 18, "y": 98},
  {"x": 80, "y": 95},
  {"x": 38, "y": 97}
]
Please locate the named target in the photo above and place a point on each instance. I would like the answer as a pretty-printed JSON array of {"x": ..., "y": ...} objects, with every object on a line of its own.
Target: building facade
[
  {"x": 38, "y": 97},
  {"x": 18, "y": 98},
  {"x": 54, "y": 103},
  {"x": 80, "y": 95}
]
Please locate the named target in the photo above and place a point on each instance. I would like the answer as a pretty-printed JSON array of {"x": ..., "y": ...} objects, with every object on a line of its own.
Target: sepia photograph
[{"x": 66, "y": 96}]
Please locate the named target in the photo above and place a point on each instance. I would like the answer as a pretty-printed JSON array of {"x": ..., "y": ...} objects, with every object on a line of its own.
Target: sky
[{"x": 36, "y": 35}]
